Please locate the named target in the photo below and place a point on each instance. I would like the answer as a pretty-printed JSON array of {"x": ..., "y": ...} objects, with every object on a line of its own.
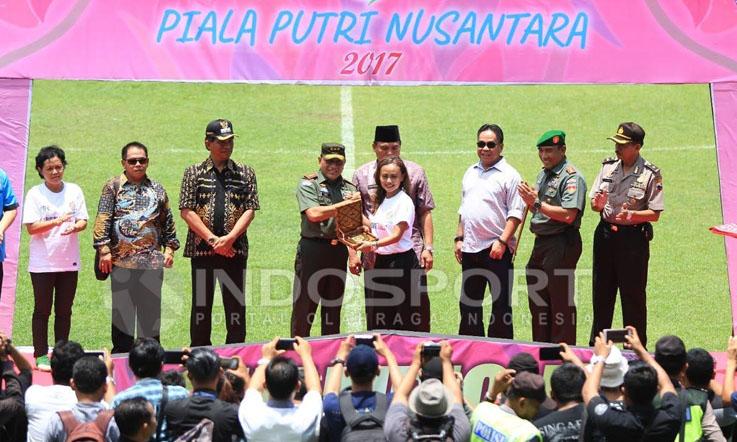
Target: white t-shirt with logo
[
  {"x": 391, "y": 212},
  {"x": 51, "y": 251}
]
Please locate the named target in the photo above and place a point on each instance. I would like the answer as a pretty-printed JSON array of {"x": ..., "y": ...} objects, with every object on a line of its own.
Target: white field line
[
  {"x": 351, "y": 314},
  {"x": 350, "y": 149}
]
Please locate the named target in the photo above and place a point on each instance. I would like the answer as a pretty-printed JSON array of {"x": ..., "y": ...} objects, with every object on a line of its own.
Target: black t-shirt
[
  {"x": 183, "y": 415},
  {"x": 617, "y": 423},
  {"x": 560, "y": 426}
]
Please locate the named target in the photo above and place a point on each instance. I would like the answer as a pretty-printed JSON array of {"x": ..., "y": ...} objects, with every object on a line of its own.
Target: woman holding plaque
[
  {"x": 394, "y": 282},
  {"x": 54, "y": 213}
]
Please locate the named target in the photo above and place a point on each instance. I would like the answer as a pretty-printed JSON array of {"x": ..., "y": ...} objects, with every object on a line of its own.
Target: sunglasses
[
  {"x": 489, "y": 144},
  {"x": 134, "y": 161}
]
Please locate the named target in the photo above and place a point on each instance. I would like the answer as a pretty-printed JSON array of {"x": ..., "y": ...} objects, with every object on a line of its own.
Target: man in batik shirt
[{"x": 134, "y": 223}]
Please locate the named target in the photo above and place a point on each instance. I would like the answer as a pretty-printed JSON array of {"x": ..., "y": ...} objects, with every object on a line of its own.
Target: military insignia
[
  {"x": 571, "y": 186},
  {"x": 602, "y": 408},
  {"x": 570, "y": 170},
  {"x": 659, "y": 183},
  {"x": 311, "y": 176},
  {"x": 556, "y": 139},
  {"x": 620, "y": 130},
  {"x": 609, "y": 160}
]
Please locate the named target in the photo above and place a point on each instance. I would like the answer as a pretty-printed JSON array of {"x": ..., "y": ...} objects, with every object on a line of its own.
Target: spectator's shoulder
[
  {"x": 175, "y": 392},
  {"x": 330, "y": 402}
]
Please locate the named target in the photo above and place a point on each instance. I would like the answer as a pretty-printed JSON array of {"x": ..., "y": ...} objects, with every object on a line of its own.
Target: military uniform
[
  {"x": 621, "y": 248},
  {"x": 320, "y": 252},
  {"x": 555, "y": 254}
]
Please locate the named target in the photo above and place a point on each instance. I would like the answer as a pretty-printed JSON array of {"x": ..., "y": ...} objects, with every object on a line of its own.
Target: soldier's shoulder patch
[
  {"x": 609, "y": 160},
  {"x": 570, "y": 170},
  {"x": 571, "y": 185},
  {"x": 655, "y": 169},
  {"x": 311, "y": 176}
]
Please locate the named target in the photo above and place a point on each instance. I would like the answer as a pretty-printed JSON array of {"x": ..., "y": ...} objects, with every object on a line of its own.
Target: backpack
[
  {"x": 202, "y": 432},
  {"x": 92, "y": 431},
  {"x": 443, "y": 433},
  {"x": 360, "y": 427}
]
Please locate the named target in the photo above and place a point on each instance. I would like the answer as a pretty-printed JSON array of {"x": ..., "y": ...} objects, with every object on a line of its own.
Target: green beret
[{"x": 552, "y": 138}]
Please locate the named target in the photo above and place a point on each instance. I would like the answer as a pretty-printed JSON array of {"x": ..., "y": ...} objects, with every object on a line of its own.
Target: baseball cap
[
  {"x": 387, "y": 134},
  {"x": 528, "y": 385},
  {"x": 331, "y": 151},
  {"x": 431, "y": 399},
  {"x": 523, "y": 362},
  {"x": 220, "y": 129},
  {"x": 629, "y": 133},
  {"x": 553, "y": 137},
  {"x": 670, "y": 353},
  {"x": 615, "y": 367},
  {"x": 362, "y": 361}
]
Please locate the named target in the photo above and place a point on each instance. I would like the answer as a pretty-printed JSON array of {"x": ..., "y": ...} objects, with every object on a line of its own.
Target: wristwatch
[
  {"x": 336, "y": 361},
  {"x": 595, "y": 359},
  {"x": 458, "y": 238},
  {"x": 211, "y": 240},
  {"x": 429, "y": 249},
  {"x": 263, "y": 361},
  {"x": 536, "y": 206}
]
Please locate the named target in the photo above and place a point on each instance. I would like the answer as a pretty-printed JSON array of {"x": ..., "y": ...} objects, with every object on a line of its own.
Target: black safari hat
[
  {"x": 220, "y": 129},
  {"x": 333, "y": 150},
  {"x": 629, "y": 133},
  {"x": 387, "y": 134}
]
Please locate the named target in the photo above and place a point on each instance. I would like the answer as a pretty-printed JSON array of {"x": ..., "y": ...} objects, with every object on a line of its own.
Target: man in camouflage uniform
[
  {"x": 557, "y": 204},
  {"x": 628, "y": 192},
  {"x": 320, "y": 264}
]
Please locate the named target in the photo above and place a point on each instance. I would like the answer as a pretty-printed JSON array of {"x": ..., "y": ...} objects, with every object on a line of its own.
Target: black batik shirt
[{"x": 219, "y": 199}]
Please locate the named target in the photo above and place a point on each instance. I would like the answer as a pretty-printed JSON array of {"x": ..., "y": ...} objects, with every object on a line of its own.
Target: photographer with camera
[
  {"x": 280, "y": 419},
  {"x": 204, "y": 371},
  {"x": 433, "y": 410}
]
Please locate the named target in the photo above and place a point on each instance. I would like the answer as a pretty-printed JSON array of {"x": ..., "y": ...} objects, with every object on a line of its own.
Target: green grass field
[{"x": 281, "y": 128}]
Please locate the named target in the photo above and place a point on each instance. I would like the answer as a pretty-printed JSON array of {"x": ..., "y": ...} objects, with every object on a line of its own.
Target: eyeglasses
[
  {"x": 134, "y": 161},
  {"x": 489, "y": 144}
]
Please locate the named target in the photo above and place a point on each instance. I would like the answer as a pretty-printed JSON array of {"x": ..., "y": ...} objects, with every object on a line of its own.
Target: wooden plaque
[{"x": 349, "y": 223}]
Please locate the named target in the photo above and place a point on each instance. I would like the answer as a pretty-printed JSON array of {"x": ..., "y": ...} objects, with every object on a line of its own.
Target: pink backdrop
[
  {"x": 15, "y": 101},
  {"x": 569, "y": 41},
  {"x": 368, "y": 42}
]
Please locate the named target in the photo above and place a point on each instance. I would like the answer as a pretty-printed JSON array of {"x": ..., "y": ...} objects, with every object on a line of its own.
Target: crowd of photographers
[{"x": 669, "y": 396}]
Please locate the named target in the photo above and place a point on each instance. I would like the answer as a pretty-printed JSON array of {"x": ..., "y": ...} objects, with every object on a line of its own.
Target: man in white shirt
[
  {"x": 42, "y": 402},
  {"x": 490, "y": 212},
  {"x": 279, "y": 419}
]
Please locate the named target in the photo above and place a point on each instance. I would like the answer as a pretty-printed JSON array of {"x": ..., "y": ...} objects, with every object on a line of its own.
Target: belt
[
  {"x": 622, "y": 227},
  {"x": 332, "y": 242}
]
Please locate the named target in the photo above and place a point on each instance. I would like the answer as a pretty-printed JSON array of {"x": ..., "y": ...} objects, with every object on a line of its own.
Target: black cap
[
  {"x": 528, "y": 385},
  {"x": 220, "y": 129},
  {"x": 387, "y": 134},
  {"x": 629, "y": 133},
  {"x": 333, "y": 150},
  {"x": 524, "y": 362},
  {"x": 670, "y": 353}
]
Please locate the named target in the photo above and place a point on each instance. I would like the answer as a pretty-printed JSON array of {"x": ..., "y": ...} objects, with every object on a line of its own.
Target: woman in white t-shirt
[
  {"x": 395, "y": 279},
  {"x": 54, "y": 212}
]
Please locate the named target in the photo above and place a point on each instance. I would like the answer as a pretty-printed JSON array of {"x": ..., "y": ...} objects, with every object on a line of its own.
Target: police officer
[
  {"x": 628, "y": 192},
  {"x": 321, "y": 260},
  {"x": 557, "y": 204}
]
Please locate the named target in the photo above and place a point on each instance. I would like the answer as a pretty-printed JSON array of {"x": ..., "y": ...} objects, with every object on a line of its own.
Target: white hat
[{"x": 615, "y": 367}]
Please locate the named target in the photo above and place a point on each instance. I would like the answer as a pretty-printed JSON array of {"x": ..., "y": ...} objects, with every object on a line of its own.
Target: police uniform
[
  {"x": 621, "y": 247},
  {"x": 319, "y": 252},
  {"x": 556, "y": 250},
  {"x": 614, "y": 421}
]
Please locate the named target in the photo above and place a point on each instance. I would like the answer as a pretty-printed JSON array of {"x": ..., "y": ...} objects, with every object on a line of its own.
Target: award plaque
[{"x": 349, "y": 223}]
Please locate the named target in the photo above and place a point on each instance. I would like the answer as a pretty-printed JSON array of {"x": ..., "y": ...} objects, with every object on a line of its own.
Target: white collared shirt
[{"x": 488, "y": 198}]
